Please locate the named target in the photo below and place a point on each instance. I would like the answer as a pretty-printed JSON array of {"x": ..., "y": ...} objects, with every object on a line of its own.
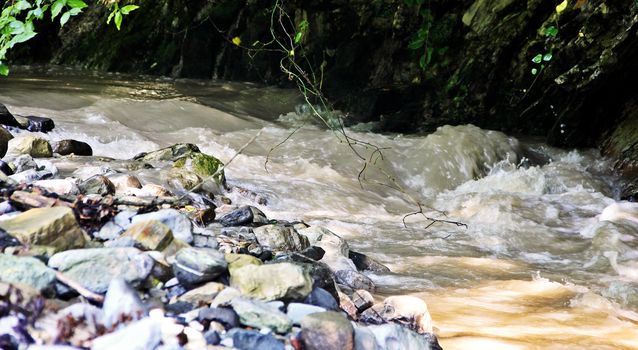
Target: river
[{"x": 533, "y": 266}]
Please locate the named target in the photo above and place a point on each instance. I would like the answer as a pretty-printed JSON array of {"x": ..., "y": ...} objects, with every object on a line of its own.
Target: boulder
[
  {"x": 328, "y": 330},
  {"x": 54, "y": 227},
  {"x": 280, "y": 238},
  {"x": 178, "y": 222},
  {"x": 203, "y": 166},
  {"x": 66, "y": 147},
  {"x": 271, "y": 282},
  {"x": 27, "y": 270},
  {"x": 96, "y": 268},
  {"x": 5, "y": 136},
  {"x": 34, "y": 146},
  {"x": 198, "y": 265},
  {"x": 260, "y": 315},
  {"x": 149, "y": 235},
  {"x": 237, "y": 261}
]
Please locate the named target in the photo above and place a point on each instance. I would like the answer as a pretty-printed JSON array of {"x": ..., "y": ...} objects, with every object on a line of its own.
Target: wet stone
[
  {"x": 66, "y": 147},
  {"x": 39, "y": 124},
  {"x": 260, "y": 315},
  {"x": 322, "y": 298},
  {"x": 252, "y": 340},
  {"x": 366, "y": 263},
  {"x": 238, "y": 217}
]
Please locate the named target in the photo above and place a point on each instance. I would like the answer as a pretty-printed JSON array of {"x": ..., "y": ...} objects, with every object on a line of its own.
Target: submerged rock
[
  {"x": 271, "y": 282},
  {"x": 66, "y": 147},
  {"x": 26, "y": 270},
  {"x": 36, "y": 124},
  {"x": 328, "y": 330},
  {"x": 55, "y": 227},
  {"x": 96, "y": 268},
  {"x": 34, "y": 146}
]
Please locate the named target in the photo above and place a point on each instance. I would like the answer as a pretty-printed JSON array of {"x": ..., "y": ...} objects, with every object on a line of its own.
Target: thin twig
[{"x": 94, "y": 297}]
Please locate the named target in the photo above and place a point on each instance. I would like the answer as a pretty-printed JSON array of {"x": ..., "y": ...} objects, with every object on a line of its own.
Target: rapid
[{"x": 543, "y": 255}]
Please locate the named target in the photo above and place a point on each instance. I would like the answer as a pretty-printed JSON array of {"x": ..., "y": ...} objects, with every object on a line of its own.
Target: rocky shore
[{"x": 151, "y": 253}]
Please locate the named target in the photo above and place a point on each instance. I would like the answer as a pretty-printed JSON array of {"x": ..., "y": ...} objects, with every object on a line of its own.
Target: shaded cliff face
[{"x": 481, "y": 55}]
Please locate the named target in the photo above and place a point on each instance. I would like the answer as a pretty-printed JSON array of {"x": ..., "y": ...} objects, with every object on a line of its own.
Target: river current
[{"x": 536, "y": 265}]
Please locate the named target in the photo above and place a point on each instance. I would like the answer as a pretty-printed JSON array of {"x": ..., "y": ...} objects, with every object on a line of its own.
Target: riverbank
[{"x": 93, "y": 257}]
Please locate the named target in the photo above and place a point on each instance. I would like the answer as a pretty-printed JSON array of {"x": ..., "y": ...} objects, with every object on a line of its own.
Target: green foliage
[
  {"x": 18, "y": 17},
  {"x": 420, "y": 41}
]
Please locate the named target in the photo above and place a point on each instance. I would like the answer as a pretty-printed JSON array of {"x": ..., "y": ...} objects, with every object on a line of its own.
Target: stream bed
[{"x": 532, "y": 263}]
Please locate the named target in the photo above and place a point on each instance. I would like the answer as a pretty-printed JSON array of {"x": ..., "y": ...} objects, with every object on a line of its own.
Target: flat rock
[
  {"x": 271, "y": 282},
  {"x": 198, "y": 265},
  {"x": 179, "y": 223},
  {"x": 328, "y": 330},
  {"x": 59, "y": 186},
  {"x": 149, "y": 235},
  {"x": 95, "y": 268},
  {"x": 260, "y": 315},
  {"x": 54, "y": 227},
  {"x": 66, "y": 147},
  {"x": 34, "y": 146},
  {"x": 203, "y": 294},
  {"x": 280, "y": 238},
  {"x": 27, "y": 270}
]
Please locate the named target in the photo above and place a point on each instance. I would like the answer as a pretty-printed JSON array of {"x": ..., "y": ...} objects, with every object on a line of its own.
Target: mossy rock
[{"x": 203, "y": 166}]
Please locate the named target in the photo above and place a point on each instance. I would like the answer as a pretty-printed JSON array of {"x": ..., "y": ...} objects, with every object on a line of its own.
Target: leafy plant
[
  {"x": 18, "y": 17},
  {"x": 420, "y": 39}
]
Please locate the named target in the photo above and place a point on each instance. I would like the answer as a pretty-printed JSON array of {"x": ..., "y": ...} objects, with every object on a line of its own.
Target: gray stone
[
  {"x": 362, "y": 299},
  {"x": 258, "y": 314},
  {"x": 36, "y": 124},
  {"x": 140, "y": 335},
  {"x": 96, "y": 268},
  {"x": 253, "y": 340},
  {"x": 364, "y": 339},
  {"x": 116, "y": 226},
  {"x": 179, "y": 223},
  {"x": 59, "y": 186},
  {"x": 198, "y": 265},
  {"x": 270, "y": 282},
  {"x": 97, "y": 184},
  {"x": 121, "y": 302},
  {"x": 328, "y": 330},
  {"x": 366, "y": 263},
  {"x": 322, "y": 298},
  {"x": 202, "y": 295},
  {"x": 297, "y": 311},
  {"x": 280, "y": 238},
  {"x": 34, "y": 146},
  {"x": 245, "y": 215},
  {"x": 225, "y": 316},
  {"x": 66, "y": 147},
  {"x": 24, "y": 162},
  {"x": 27, "y": 270},
  {"x": 54, "y": 227},
  {"x": 407, "y": 310}
]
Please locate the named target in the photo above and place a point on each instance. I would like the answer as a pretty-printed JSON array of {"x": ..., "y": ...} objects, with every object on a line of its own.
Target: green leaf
[
  {"x": 4, "y": 69},
  {"x": 75, "y": 11},
  {"x": 128, "y": 9},
  {"x": 298, "y": 37},
  {"x": 551, "y": 31},
  {"x": 65, "y": 18},
  {"x": 16, "y": 27},
  {"x": 56, "y": 8},
  {"x": 79, "y": 4},
  {"x": 534, "y": 71},
  {"x": 22, "y": 38},
  {"x": 108, "y": 20},
  {"x": 22, "y": 5},
  {"x": 538, "y": 58},
  {"x": 547, "y": 57},
  {"x": 118, "y": 20}
]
